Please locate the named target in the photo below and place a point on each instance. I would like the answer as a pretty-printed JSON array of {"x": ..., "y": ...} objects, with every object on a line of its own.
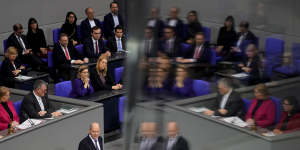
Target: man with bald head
[
  {"x": 88, "y": 23},
  {"x": 174, "y": 141},
  {"x": 175, "y": 22},
  {"x": 93, "y": 141},
  {"x": 150, "y": 139}
]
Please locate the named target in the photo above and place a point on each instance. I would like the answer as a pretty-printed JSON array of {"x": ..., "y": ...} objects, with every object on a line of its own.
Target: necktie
[
  {"x": 196, "y": 55},
  {"x": 67, "y": 53},
  {"x": 97, "y": 48},
  {"x": 119, "y": 45},
  {"x": 96, "y": 145},
  {"x": 21, "y": 43}
]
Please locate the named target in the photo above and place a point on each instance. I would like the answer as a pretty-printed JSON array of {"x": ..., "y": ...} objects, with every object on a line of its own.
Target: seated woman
[
  {"x": 11, "y": 67},
  {"x": 183, "y": 86},
  {"x": 70, "y": 28},
  {"x": 99, "y": 78},
  {"x": 290, "y": 117},
  {"x": 251, "y": 65},
  {"x": 36, "y": 39},
  {"x": 81, "y": 86},
  {"x": 8, "y": 114},
  {"x": 262, "y": 109},
  {"x": 194, "y": 26}
]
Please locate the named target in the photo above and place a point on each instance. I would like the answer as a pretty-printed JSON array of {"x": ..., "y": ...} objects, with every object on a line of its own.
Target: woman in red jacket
[
  {"x": 8, "y": 114},
  {"x": 262, "y": 109},
  {"x": 290, "y": 117}
]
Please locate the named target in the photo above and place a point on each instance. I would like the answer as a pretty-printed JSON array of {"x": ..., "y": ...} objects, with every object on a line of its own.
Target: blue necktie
[{"x": 119, "y": 44}]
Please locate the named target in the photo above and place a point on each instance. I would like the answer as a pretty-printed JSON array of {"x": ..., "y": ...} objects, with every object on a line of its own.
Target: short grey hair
[
  {"x": 226, "y": 82},
  {"x": 38, "y": 84}
]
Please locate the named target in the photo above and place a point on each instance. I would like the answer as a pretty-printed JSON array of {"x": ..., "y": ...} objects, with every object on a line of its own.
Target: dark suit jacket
[
  {"x": 89, "y": 51},
  {"x": 31, "y": 107},
  {"x": 13, "y": 41},
  {"x": 6, "y": 72},
  {"x": 255, "y": 70},
  {"x": 85, "y": 28},
  {"x": 158, "y": 28},
  {"x": 98, "y": 84},
  {"x": 175, "y": 52},
  {"x": 181, "y": 144},
  {"x": 60, "y": 60},
  {"x": 109, "y": 25},
  {"x": 249, "y": 37},
  {"x": 88, "y": 144},
  {"x": 112, "y": 44},
  {"x": 205, "y": 54},
  {"x": 234, "y": 105},
  {"x": 179, "y": 27}
]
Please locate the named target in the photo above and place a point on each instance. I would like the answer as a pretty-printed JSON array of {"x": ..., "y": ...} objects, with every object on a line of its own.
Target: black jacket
[
  {"x": 234, "y": 105},
  {"x": 109, "y": 25},
  {"x": 85, "y": 28},
  {"x": 89, "y": 50},
  {"x": 181, "y": 144},
  {"x": 30, "y": 107},
  {"x": 88, "y": 144},
  {"x": 13, "y": 41},
  {"x": 36, "y": 41},
  {"x": 59, "y": 59},
  {"x": 176, "y": 48},
  {"x": 205, "y": 54},
  {"x": 226, "y": 39},
  {"x": 193, "y": 28},
  {"x": 71, "y": 30},
  {"x": 179, "y": 29},
  {"x": 112, "y": 44},
  {"x": 255, "y": 67},
  {"x": 6, "y": 72},
  {"x": 158, "y": 28},
  {"x": 249, "y": 37},
  {"x": 98, "y": 84}
]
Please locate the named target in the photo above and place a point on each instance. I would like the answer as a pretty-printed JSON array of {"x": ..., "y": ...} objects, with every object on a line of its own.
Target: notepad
[
  {"x": 240, "y": 75},
  {"x": 235, "y": 121},
  {"x": 26, "y": 124},
  {"x": 21, "y": 77},
  {"x": 198, "y": 109},
  {"x": 67, "y": 111}
]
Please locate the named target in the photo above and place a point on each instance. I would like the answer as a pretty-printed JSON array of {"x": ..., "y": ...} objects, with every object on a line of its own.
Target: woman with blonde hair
[
  {"x": 11, "y": 67},
  {"x": 82, "y": 86},
  {"x": 99, "y": 77}
]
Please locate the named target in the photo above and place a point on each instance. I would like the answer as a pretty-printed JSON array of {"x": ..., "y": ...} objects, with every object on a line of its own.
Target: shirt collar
[
  {"x": 92, "y": 138},
  {"x": 228, "y": 93},
  {"x": 114, "y": 15},
  {"x": 37, "y": 97}
]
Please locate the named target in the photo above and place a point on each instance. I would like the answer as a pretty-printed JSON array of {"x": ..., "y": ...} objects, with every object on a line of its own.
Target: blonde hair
[
  {"x": 3, "y": 91},
  {"x": 11, "y": 51},
  {"x": 262, "y": 89},
  {"x": 81, "y": 68},
  {"x": 98, "y": 62}
]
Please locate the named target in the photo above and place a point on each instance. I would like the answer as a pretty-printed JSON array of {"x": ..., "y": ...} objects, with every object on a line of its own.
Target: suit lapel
[
  {"x": 91, "y": 143},
  {"x": 36, "y": 103}
]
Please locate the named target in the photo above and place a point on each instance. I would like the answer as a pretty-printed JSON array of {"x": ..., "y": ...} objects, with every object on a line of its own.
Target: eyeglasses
[{"x": 96, "y": 33}]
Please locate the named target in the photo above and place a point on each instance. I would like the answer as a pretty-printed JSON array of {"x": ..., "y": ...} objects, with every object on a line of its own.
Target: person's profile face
[
  {"x": 102, "y": 64},
  {"x": 287, "y": 107},
  {"x": 119, "y": 33},
  {"x": 250, "y": 53},
  {"x": 258, "y": 94},
  {"x": 90, "y": 13},
  {"x": 96, "y": 34},
  {"x": 199, "y": 39},
  {"x": 19, "y": 32},
  {"x": 64, "y": 41},
  {"x": 6, "y": 97},
  {"x": 222, "y": 89},
  {"x": 12, "y": 57},
  {"x": 114, "y": 8},
  {"x": 43, "y": 90},
  {"x": 95, "y": 132},
  {"x": 71, "y": 19}
]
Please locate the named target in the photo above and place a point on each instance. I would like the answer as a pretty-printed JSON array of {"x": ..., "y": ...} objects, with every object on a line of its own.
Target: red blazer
[
  {"x": 293, "y": 123},
  {"x": 4, "y": 116},
  {"x": 265, "y": 114}
]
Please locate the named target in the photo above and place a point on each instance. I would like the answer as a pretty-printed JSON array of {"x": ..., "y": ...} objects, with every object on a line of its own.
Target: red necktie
[
  {"x": 196, "y": 55},
  {"x": 67, "y": 53},
  {"x": 97, "y": 48}
]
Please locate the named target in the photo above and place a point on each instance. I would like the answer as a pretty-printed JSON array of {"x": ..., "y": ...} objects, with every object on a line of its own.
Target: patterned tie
[
  {"x": 96, "y": 145},
  {"x": 97, "y": 48},
  {"x": 21, "y": 43},
  {"x": 67, "y": 53},
  {"x": 196, "y": 55},
  {"x": 119, "y": 44}
]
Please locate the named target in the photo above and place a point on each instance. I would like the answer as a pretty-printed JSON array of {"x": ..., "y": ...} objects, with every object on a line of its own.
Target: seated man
[
  {"x": 150, "y": 43},
  {"x": 112, "y": 20},
  {"x": 170, "y": 45},
  {"x": 64, "y": 55},
  {"x": 229, "y": 103},
  {"x": 88, "y": 23},
  {"x": 118, "y": 42},
  {"x": 25, "y": 54},
  {"x": 150, "y": 140},
  {"x": 93, "y": 141},
  {"x": 36, "y": 103},
  {"x": 200, "y": 50},
  {"x": 94, "y": 46}
]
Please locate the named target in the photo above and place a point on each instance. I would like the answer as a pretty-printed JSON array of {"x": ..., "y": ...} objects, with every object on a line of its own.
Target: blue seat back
[
  {"x": 296, "y": 51},
  {"x": 5, "y": 45},
  {"x": 122, "y": 101},
  {"x": 56, "y": 33},
  {"x": 207, "y": 33},
  {"x": 118, "y": 74},
  {"x": 63, "y": 88},
  {"x": 79, "y": 49},
  {"x": 201, "y": 87},
  {"x": 213, "y": 59},
  {"x": 185, "y": 31},
  {"x": 17, "y": 106},
  {"x": 78, "y": 32},
  {"x": 184, "y": 48},
  {"x": 247, "y": 103},
  {"x": 274, "y": 50}
]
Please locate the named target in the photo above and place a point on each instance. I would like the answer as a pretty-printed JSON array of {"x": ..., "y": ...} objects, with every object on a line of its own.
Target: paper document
[
  {"x": 26, "y": 124},
  {"x": 268, "y": 134},
  {"x": 235, "y": 121},
  {"x": 240, "y": 75},
  {"x": 20, "y": 77},
  {"x": 198, "y": 109},
  {"x": 67, "y": 111}
]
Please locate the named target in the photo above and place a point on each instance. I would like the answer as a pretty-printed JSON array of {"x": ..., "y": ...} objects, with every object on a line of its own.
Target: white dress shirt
[
  {"x": 197, "y": 51},
  {"x": 63, "y": 49},
  {"x": 225, "y": 99},
  {"x": 151, "y": 23},
  {"x": 240, "y": 41},
  {"x": 97, "y": 143},
  {"x": 147, "y": 143},
  {"x": 116, "y": 19},
  {"x": 172, "y": 22},
  {"x": 92, "y": 23},
  {"x": 40, "y": 101},
  {"x": 119, "y": 43},
  {"x": 171, "y": 142}
]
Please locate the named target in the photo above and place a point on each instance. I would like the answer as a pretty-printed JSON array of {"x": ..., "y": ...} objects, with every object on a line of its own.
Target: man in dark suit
[
  {"x": 174, "y": 141},
  {"x": 88, "y": 23},
  {"x": 150, "y": 140},
  {"x": 170, "y": 45},
  {"x": 112, "y": 20},
  {"x": 117, "y": 42},
  {"x": 94, "y": 46},
  {"x": 36, "y": 103},
  {"x": 175, "y": 22},
  {"x": 229, "y": 103},
  {"x": 19, "y": 41},
  {"x": 93, "y": 141},
  {"x": 64, "y": 55},
  {"x": 200, "y": 50},
  {"x": 150, "y": 43},
  {"x": 156, "y": 23}
]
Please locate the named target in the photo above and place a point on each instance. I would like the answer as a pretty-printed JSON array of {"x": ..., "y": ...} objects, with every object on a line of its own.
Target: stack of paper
[
  {"x": 268, "y": 134},
  {"x": 235, "y": 121},
  {"x": 67, "y": 111},
  {"x": 21, "y": 77},
  {"x": 27, "y": 124},
  {"x": 198, "y": 109},
  {"x": 240, "y": 75}
]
